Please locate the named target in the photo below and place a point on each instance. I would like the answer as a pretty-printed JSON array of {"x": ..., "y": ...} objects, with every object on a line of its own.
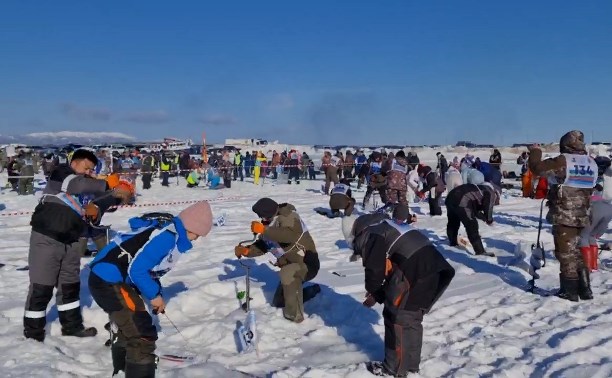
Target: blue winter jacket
[
  {"x": 490, "y": 174},
  {"x": 141, "y": 257}
]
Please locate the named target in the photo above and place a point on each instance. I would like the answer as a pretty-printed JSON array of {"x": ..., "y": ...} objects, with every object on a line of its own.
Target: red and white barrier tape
[{"x": 150, "y": 204}]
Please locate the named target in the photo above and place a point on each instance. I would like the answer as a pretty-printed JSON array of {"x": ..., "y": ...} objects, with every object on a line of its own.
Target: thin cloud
[
  {"x": 150, "y": 117},
  {"x": 218, "y": 120},
  {"x": 83, "y": 113},
  {"x": 282, "y": 101}
]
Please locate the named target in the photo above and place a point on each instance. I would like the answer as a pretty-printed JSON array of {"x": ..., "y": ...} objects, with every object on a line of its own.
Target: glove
[
  {"x": 421, "y": 195},
  {"x": 112, "y": 180},
  {"x": 257, "y": 227},
  {"x": 369, "y": 300},
  {"x": 489, "y": 222},
  {"x": 91, "y": 211},
  {"x": 241, "y": 251}
]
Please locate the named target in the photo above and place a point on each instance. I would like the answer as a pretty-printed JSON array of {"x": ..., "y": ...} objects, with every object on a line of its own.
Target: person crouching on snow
[
  {"x": 408, "y": 274},
  {"x": 283, "y": 233},
  {"x": 341, "y": 198},
  {"x": 126, "y": 273}
]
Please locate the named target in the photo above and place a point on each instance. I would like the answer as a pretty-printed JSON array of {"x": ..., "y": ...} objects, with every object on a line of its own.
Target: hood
[
  {"x": 573, "y": 143},
  {"x": 401, "y": 161},
  {"x": 285, "y": 208},
  {"x": 183, "y": 244},
  {"x": 423, "y": 169}
]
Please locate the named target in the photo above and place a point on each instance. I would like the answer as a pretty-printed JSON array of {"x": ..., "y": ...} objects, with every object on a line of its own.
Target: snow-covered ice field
[{"x": 485, "y": 325}]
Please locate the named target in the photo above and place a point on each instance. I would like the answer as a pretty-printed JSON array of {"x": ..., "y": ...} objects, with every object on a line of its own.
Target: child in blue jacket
[{"x": 126, "y": 273}]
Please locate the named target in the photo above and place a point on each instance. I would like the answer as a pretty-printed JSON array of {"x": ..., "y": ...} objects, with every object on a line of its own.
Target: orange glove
[
  {"x": 241, "y": 251},
  {"x": 91, "y": 211},
  {"x": 257, "y": 227},
  {"x": 112, "y": 180},
  {"x": 421, "y": 195}
]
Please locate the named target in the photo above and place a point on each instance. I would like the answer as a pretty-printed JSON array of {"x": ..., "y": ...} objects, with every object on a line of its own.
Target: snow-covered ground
[{"x": 485, "y": 325}]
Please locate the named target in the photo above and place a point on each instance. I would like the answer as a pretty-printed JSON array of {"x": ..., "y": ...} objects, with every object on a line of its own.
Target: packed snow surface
[{"x": 485, "y": 324}]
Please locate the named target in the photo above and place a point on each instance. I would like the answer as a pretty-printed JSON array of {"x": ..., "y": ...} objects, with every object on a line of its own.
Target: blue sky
[{"x": 360, "y": 72}]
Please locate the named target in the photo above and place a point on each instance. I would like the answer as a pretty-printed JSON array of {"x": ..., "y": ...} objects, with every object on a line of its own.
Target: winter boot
[
  {"x": 289, "y": 182},
  {"x": 378, "y": 368},
  {"x": 584, "y": 284},
  {"x": 569, "y": 288},
  {"x": 479, "y": 248},
  {"x": 587, "y": 256},
  {"x": 84, "y": 332},
  {"x": 310, "y": 292},
  {"x": 594, "y": 256},
  {"x": 133, "y": 370},
  {"x": 118, "y": 354}
]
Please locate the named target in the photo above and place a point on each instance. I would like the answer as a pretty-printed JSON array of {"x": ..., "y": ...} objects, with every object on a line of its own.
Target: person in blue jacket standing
[{"x": 126, "y": 273}]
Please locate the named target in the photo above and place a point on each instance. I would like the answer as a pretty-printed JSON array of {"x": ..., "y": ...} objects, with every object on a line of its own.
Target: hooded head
[
  {"x": 401, "y": 213},
  {"x": 197, "y": 218},
  {"x": 265, "y": 208},
  {"x": 421, "y": 170},
  {"x": 400, "y": 154},
  {"x": 573, "y": 143}
]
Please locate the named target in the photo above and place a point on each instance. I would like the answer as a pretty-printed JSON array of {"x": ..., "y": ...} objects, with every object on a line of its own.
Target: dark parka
[{"x": 419, "y": 273}]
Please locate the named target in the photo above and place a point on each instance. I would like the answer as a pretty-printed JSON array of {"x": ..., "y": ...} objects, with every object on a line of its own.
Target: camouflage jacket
[
  {"x": 397, "y": 171},
  {"x": 567, "y": 206}
]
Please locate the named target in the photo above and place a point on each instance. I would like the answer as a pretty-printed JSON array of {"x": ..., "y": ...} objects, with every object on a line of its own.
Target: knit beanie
[
  {"x": 265, "y": 208},
  {"x": 197, "y": 218}
]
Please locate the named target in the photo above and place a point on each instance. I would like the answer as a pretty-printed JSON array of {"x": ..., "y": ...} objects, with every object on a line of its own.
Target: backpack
[{"x": 158, "y": 220}]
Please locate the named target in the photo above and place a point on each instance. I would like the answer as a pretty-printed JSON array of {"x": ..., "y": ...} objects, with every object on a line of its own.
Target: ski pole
[{"x": 176, "y": 328}]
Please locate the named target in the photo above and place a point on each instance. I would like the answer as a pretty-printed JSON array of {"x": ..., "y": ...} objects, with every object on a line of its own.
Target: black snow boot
[
  {"x": 377, "y": 368},
  {"x": 83, "y": 332},
  {"x": 479, "y": 248},
  {"x": 584, "y": 284},
  {"x": 310, "y": 292},
  {"x": 133, "y": 370},
  {"x": 569, "y": 288},
  {"x": 118, "y": 354}
]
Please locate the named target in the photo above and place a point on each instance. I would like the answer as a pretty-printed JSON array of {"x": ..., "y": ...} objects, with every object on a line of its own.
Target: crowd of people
[{"x": 404, "y": 270}]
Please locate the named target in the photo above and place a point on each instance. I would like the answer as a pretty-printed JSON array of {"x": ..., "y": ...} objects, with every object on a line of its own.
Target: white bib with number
[
  {"x": 580, "y": 171},
  {"x": 395, "y": 166},
  {"x": 340, "y": 189}
]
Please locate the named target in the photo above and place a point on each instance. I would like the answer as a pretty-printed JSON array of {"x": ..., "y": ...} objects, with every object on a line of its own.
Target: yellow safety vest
[
  {"x": 164, "y": 166},
  {"x": 190, "y": 179}
]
